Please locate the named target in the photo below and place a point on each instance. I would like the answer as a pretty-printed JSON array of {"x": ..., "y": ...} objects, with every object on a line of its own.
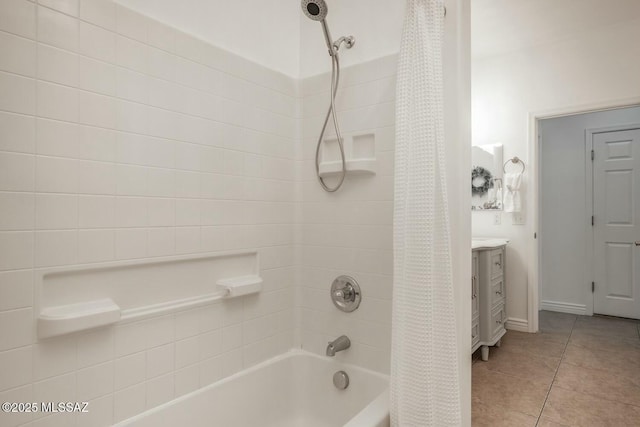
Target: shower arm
[{"x": 334, "y": 46}]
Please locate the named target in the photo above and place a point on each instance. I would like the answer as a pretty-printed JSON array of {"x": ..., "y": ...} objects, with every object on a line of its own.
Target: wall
[
  {"x": 281, "y": 36},
  {"x": 128, "y": 139},
  {"x": 267, "y": 32},
  {"x": 350, "y": 232},
  {"x": 565, "y": 241},
  {"x": 122, "y": 138},
  {"x": 595, "y": 67}
]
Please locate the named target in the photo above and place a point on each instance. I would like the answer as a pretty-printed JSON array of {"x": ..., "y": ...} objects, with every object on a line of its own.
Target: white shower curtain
[{"x": 424, "y": 367}]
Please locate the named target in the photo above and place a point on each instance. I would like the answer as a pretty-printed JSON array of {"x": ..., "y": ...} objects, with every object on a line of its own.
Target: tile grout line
[{"x": 556, "y": 372}]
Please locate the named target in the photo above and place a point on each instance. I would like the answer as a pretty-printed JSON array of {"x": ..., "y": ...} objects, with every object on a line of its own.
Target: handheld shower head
[{"x": 315, "y": 10}]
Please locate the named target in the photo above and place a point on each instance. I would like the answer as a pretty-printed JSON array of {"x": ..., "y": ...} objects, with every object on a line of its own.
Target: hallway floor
[{"x": 578, "y": 371}]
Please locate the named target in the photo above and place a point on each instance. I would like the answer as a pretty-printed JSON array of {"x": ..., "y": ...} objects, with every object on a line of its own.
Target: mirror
[{"x": 486, "y": 177}]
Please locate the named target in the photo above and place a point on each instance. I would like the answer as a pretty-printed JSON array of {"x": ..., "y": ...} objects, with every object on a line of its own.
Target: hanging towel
[
  {"x": 512, "y": 201},
  {"x": 425, "y": 388}
]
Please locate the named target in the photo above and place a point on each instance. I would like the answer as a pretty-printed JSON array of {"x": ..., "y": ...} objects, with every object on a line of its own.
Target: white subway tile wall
[
  {"x": 123, "y": 138},
  {"x": 350, "y": 231}
]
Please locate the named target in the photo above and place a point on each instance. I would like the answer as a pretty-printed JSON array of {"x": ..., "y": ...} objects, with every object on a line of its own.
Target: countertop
[{"x": 488, "y": 242}]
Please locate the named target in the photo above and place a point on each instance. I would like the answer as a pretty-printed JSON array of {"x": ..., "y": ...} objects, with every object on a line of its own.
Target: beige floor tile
[
  {"x": 528, "y": 366},
  {"x": 597, "y": 382},
  {"x": 585, "y": 339},
  {"x": 623, "y": 363},
  {"x": 607, "y": 326},
  {"x": 549, "y": 321},
  {"x": 546, "y": 422},
  {"x": 533, "y": 344},
  {"x": 491, "y": 388},
  {"x": 602, "y": 384},
  {"x": 499, "y": 416},
  {"x": 579, "y": 409}
]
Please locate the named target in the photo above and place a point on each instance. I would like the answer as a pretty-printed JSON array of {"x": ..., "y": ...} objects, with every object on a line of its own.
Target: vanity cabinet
[{"x": 488, "y": 298}]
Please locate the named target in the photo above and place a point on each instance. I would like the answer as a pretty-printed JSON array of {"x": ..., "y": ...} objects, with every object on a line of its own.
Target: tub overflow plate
[{"x": 341, "y": 380}]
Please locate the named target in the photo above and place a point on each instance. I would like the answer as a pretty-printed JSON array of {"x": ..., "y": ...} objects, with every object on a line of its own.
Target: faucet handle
[{"x": 345, "y": 293}]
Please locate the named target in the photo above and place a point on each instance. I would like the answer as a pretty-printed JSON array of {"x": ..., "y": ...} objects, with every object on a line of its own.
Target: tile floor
[{"x": 578, "y": 371}]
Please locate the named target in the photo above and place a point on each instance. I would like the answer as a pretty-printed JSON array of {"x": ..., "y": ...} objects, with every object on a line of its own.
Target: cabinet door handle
[{"x": 474, "y": 288}]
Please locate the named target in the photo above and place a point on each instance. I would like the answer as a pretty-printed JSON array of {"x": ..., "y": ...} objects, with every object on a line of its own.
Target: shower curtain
[{"x": 424, "y": 367}]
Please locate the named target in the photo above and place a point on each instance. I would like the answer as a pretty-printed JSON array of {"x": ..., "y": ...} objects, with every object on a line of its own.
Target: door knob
[{"x": 638, "y": 243}]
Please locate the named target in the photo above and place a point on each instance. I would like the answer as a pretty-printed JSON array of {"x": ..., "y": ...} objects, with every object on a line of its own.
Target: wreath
[{"x": 481, "y": 181}]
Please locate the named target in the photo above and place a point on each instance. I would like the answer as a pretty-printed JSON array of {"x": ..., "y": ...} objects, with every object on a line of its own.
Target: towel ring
[{"x": 515, "y": 160}]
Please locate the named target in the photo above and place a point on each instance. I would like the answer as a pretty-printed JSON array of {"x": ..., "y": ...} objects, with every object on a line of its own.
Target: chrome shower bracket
[
  {"x": 348, "y": 41},
  {"x": 345, "y": 293}
]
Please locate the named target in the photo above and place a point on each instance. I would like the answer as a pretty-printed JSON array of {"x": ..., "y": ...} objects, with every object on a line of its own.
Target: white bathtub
[{"x": 292, "y": 390}]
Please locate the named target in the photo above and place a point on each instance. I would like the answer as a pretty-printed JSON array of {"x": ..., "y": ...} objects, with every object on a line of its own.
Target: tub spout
[{"x": 339, "y": 344}]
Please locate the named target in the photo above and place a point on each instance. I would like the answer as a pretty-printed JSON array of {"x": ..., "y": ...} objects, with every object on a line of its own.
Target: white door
[{"x": 616, "y": 208}]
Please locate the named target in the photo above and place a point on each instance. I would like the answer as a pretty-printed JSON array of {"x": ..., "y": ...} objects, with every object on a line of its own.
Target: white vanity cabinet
[{"x": 488, "y": 296}]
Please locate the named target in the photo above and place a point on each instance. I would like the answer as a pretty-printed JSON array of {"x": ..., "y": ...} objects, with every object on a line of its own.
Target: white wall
[
  {"x": 595, "y": 67},
  {"x": 131, "y": 109},
  {"x": 564, "y": 235},
  {"x": 125, "y": 139},
  {"x": 276, "y": 33},
  {"x": 350, "y": 232},
  {"x": 266, "y": 32}
]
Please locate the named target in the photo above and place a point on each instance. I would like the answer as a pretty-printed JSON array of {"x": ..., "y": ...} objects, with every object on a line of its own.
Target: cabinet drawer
[
  {"x": 497, "y": 291},
  {"x": 497, "y": 263},
  {"x": 475, "y": 333},
  {"x": 498, "y": 317}
]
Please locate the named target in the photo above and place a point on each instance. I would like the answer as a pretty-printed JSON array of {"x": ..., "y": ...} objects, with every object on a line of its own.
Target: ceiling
[{"x": 501, "y": 26}]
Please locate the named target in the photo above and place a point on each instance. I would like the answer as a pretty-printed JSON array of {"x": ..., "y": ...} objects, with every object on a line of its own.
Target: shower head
[{"x": 315, "y": 9}]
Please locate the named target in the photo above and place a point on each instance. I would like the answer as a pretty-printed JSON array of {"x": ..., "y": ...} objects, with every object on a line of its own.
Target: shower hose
[{"x": 335, "y": 79}]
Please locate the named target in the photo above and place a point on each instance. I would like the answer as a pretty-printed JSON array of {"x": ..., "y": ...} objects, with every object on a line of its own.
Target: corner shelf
[
  {"x": 359, "y": 153},
  {"x": 355, "y": 166}
]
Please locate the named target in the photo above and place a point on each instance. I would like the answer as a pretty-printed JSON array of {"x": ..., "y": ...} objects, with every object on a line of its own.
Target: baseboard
[
  {"x": 515, "y": 324},
  {"x": 563, "y": 307}
]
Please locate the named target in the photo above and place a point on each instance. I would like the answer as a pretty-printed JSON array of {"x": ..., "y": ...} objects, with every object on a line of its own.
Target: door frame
[{"x": 533, "y": 226}]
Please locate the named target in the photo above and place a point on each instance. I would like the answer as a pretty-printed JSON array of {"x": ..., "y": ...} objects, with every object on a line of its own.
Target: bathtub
[{"x": 291, "y": 390}]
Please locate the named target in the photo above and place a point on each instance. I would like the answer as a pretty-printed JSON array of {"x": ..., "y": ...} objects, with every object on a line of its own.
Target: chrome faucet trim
[{"x": 339, "y": 344}]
